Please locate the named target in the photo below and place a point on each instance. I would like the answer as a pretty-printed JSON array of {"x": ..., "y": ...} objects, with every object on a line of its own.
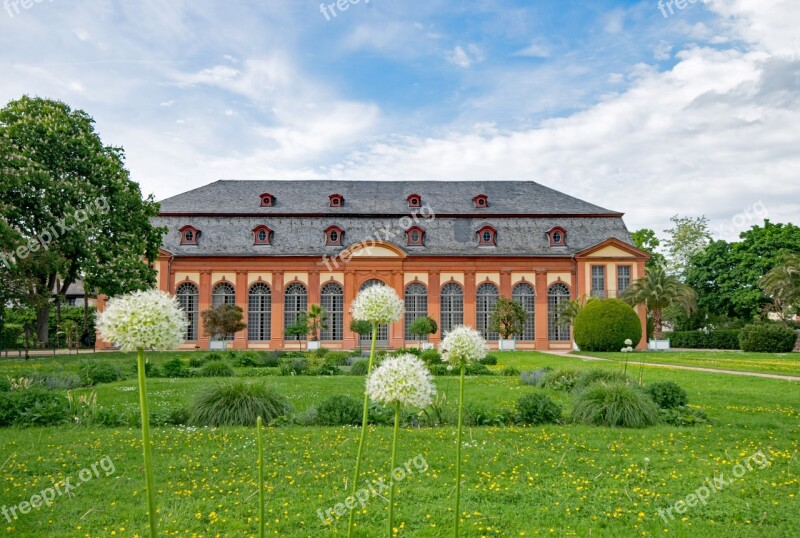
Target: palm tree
[
  {"x": 317, "y": 321},
  {"x": 782, "y": 283},
  {"x": 658, "y": 290},
  {"x": 568, "y": 311}
]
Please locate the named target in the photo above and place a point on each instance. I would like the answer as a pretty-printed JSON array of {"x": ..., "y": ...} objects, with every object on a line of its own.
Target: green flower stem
[
  {"x": 259, "y": 425},
  {"x": 458, "y": 449},
  {"x": 363, "y": 441},
  {"x": 391, "y": 468},
  {"x": 148, "y": 463}
]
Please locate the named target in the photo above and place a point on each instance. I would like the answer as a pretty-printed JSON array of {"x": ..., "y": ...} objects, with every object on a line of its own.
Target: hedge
[
  {"x": 719, "y": 339},
  {"x": 767, "y": 338}
]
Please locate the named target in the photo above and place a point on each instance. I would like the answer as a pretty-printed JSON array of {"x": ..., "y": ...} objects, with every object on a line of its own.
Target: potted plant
[
  {"x": 317, "y": 322},
  {"x": 223, "y": 320},
  {"x": 508, "y": 319},
  {"x": 423, "y": 326}
]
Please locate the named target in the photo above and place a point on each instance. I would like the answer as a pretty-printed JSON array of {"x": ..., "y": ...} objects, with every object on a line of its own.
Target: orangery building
[{"x": 450, "y": 249}]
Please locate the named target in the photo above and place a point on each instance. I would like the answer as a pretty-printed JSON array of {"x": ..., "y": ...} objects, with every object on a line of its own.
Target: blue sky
[{"x": 692, "y": 113}]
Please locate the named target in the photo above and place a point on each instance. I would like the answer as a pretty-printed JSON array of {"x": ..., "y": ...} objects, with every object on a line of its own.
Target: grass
[
  {"x": 571, "y": 480},
  {"x": 765, "y": 363}
]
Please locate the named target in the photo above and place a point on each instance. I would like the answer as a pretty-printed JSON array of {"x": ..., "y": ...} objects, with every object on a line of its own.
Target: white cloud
[
  {"x": 464, "y": 58},
  {"x": 537, "y": 49}
]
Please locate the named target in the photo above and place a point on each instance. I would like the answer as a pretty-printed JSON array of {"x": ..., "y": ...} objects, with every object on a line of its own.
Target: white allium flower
[
  {"x": 378, "y": 304},
  {"x": 143, "y": 319},
  {"x": 463, "y": 345},
  {"x": 628, "y": 342},
  {"x": 403, "y": 379}
]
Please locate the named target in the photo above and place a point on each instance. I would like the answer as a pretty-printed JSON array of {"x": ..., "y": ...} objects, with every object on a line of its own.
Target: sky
[{"x": 651, "y": 108}]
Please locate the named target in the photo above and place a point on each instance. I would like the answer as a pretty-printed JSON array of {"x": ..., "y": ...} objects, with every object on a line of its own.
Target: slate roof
[
  {"x": 377, "y": 198},
  {"x": 226, "y": 212}
]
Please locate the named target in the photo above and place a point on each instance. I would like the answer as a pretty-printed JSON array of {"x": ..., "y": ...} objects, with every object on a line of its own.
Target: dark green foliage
[
  {"x": 616, "y": 405},
  {"x": 245, "y": 359},
  {"x": 236, "y": 403},
  {"x": 562, "y": 379},
  {"x": 337, "y": 358},
  {"x": 479, "y": 414},
  {"x": 92, "y": 373},
  {"x": 407, "y": 350},
  {"x": 510, "y": 371},
  {"x": 442, "y": 369},
  {"x": 767, "y": 338},
  {"x": 175, "y": 368},
  {"x": 339, "y": 411},
  {"x": 270, "y": 362},
  {"x": 321, "y": 351},
  {"x": 328, "y": 370},
  {"x": 489, "y": 360},
  {"x": 588, "y": 378},
  {"x": 718, "y": 339},
  {"x": 431, "y": 356},
  {"x": 5, "y": 384},
  {"x": 667, "y": 394},
  {"x": 217, "y": 369},
  {"x": 197, "y": 360},
  {"x": 684, "y": 416},
  {"x": 605, "y": 325},
  {"x": 295, "y": 367},
  {"x": 423, "y": 326},
  {"x": 480, "y": 369},
  {"x": 534, "y": 377},
  {"x": 537, "y": 409},
  {"x": 33, "y": 407},
  {"x": 150, "y": 369},
  {"x": 359, "y": 367}
]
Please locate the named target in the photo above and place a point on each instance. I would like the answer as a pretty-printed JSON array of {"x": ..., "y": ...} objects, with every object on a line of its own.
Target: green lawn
[
  {"x": 767, "y": 363},
  {"x": 556, "y": 481}
]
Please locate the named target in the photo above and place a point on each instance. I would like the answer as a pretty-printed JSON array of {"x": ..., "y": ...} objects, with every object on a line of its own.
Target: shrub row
[{"x": 717, "y": 339}]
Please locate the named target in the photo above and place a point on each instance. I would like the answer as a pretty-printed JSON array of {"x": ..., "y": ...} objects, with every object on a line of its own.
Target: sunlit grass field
[{"x": 561, "y": 480}]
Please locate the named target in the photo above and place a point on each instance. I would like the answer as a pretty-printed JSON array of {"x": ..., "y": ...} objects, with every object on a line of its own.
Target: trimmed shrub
[
  {"x": 33, "y": 407},
  {"x": 175, "y": 368},
  {"x": 537, "y": 409},
  {"x": 616, "y": 405},
  {"x": 684, "y": 416},
  {"x": 92, "y": 373},
  {"x": 587, "y": 378},
  {"x": 534, "y": 377},
  {"x": 667, "y": 394},
  {"x": 430, "y": 356},
  {"x": 236, "y": 403},
  {"x": 718, "y": 339},
  {"x": 562, "y": 379},
  {"x": 339, "y": 411},
  {"x": 217, "y": 369},
  {"x": 767, "y": 338},
  {"x": 510, "y": 371},
  {"x": 477, "y": 368},
  {"x": 604, "y": 325},
  {"x": 489, "y": 360},
  {"x": 359, "y": 367}
]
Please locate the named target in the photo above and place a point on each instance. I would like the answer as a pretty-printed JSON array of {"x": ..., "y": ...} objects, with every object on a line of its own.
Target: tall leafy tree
[
  {"x": 687, "y": 237},
  {"x": 647, "y": 241},
  {"x": 69, "y": 208},
  {"x": 658, "y": 290}
]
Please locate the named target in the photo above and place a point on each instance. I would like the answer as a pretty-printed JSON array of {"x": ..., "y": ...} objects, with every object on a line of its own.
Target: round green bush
[
  {"x": 339, "y": 411},
  {"x": 359, "y": 367},
  {"x": 604, "y": 325},
  {"x": 587, "y": 378},
  {"x": 667, "y": 394},
  {"x": 489, "y": 360},
  {"x": 430, "y": 356},
  {"x": 217, "y": 369},
  {"x": 93, "y": 373},
  {"x": 538, "y": 409},
  {"x": 236, "y": 403},
  {"x": 562, "y": 379},
  {"x": 767, "y": 338},
  {"x": 510, "y": 371},
  {"x": 174, "y": 368},
  {"x": 197, "y": 360},
  {"x": 615, "y": 405}
]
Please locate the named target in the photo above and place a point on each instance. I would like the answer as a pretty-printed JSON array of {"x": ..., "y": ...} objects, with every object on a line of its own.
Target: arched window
[
  {"x": 332, "y": 300},
  {"x": 557, "y": 297},
  {"x": 525, "y": 295},
  {"x": 452, "y": 307},
  {"x": 333, "y": 236},
  {"x": 267, "y": 200},
  {"x": 259, "y": 313},
  {"x": 557, "y": 236},
  {"x": 295, "y": 302},
  {"x": 481, "y": 201},
  {"x": 487, "y": 296},
  {"x": 487, "y": 236},
  {"x": 189, "y": 235},
  {"x": 262, "y": 235},
  {"x": 415, "y": 237},
  {"x": 188, "y": 297},
  {"x": 416, "y": 302},
  {"x": 223, "y": 293},
  {"x": 383, "y": 330},
  {"x": 337, "y": 200}
]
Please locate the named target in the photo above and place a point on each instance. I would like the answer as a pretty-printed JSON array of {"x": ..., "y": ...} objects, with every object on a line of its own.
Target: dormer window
[
  {"x": 415, "y": 237},
  {"x": 189, "y": 235},
  {"x": 415, "y": 200},
  {"x": 262, "y": 235},
  {"x": 487, "y": 237},
  {"x": 334, "y": 236},
  {"x": 481, "y": 201},
  {"x": 557, "y": 237},
  {"x": 267, "y": 200},
  {"x": 337, "y": 200}
]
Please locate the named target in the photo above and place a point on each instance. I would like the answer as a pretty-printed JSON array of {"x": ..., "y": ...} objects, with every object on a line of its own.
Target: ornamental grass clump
[
  {"x": 615, "y": 405},
  {"x": 138, "y": 321},
  {"x": 376, "y": 305},
  {"x": 402, "y": 380},
  {"x": 236, "y": 403},
  {"x": 461, "y": 347}
]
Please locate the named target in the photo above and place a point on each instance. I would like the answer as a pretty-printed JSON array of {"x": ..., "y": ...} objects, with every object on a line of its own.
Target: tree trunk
[
  {"x": 43, "y": 323},
  {"x": 658, "y": 334}
]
